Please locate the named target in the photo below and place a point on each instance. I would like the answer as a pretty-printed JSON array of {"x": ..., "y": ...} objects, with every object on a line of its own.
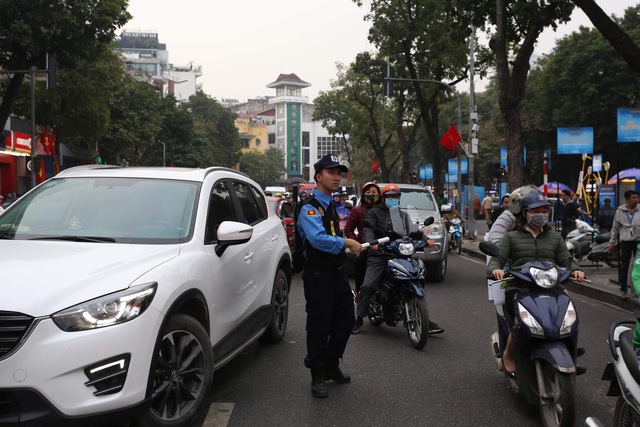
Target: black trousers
[
  {"x": 359, "y": 269},
  {"x": 627, "y": 254},
  {"x": 330, "y": 316}
]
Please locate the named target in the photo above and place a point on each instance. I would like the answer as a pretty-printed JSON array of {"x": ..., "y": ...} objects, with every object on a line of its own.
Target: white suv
[{"x": 123, "y": 289}]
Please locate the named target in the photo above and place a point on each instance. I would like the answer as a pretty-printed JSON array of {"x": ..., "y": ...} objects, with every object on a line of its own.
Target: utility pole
[{"x": 473, "y": 134}]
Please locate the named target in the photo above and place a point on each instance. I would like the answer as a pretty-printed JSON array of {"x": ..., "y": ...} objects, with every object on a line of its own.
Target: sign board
[
  {"x": 503, "y": 156},
  {"x": 597, "y": 163},
  {"x": 575, "y": 140},
  {"x": 628, "y": 124}
]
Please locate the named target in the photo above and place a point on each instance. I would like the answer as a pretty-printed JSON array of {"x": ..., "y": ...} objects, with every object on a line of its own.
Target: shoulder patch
[{"x": 312, "y": 212}]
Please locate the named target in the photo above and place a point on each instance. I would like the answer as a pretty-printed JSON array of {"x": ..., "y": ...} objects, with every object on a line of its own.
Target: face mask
[
  {"x": 391, "y": 203},
  {"x": 371, "y": 199},
  {"x": 537, "y": 220}
]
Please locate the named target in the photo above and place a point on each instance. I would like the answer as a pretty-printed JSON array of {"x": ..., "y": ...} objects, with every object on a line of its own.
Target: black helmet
[{"x": 533, "y": 200}]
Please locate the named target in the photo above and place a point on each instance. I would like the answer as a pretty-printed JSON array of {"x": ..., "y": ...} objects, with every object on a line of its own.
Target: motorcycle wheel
[
  {"x": 376, "y": 314},
  {"x": 458, "y": 245},
  {"x": 623, "y": 415},
  {"x": 559, "y": 410},
  {"x": 418, "y": 322}
]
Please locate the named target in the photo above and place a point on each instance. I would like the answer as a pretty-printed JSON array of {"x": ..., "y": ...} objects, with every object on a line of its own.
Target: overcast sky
[{"x": 243, "y": 45}]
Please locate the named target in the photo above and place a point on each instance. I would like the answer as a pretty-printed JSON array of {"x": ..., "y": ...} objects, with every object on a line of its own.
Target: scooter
[
  {"x": 455, "y": 235},
  {"x": 623, "y": 374},
  {"x": 579, "y": 240},
  {"x": 400, "y": 296},
  {"x": 599, "y": 251},
  {"x": 545, "y": 337}
]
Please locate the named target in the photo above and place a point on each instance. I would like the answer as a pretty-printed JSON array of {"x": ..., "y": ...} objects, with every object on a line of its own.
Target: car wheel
[
  {"x": 279, "y": 310},
  {"x": 181, "y": 374},
  {"x": 437, "y": 271}
]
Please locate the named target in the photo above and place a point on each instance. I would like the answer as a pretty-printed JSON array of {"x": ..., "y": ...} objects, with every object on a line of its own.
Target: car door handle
[
  {"x": 274, "y": 238},
  {"x": 248, "y": 256}
]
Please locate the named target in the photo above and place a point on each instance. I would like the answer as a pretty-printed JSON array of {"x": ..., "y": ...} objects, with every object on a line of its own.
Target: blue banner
[
  {"x": 451, "y": 178},
  {"x": 597, "y": 163},
  {"x": 503, "y": 156},
  {"x": 428, "y": 171},
  {"x": 453, "y": 166},
  {"x": 628, "y": 125},
  {"x": 575, "y": 140}
]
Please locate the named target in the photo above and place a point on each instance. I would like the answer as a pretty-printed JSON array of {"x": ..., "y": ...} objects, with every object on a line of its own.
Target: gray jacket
[
  {"x": 624, "y": 221},
  {"x": 502, "y": 226}
]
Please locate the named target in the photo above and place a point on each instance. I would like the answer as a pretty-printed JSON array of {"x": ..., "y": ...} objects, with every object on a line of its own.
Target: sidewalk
[{"x": 601, "y": 288}]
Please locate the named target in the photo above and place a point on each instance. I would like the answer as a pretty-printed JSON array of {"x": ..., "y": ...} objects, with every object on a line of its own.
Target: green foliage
[
  {"x": 264, "y": 168},
  {"x": 74, "y": 31}
]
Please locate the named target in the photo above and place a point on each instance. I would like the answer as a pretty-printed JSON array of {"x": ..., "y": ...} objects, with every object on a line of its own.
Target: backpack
[{"x": 298, "y": 258}]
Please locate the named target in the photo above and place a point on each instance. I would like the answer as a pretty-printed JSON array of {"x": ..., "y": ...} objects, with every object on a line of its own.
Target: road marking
[{"x": 218, "y": 415}]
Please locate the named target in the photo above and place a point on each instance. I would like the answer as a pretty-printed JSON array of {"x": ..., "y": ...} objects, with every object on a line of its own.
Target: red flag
[
  {"x": 52, "y": 143},
  {"x": 41, "y": 171},
  {"x": 374, "y": 166},
  {"x": 450, "y": 139},
  {"x": 46, "y": 142}
]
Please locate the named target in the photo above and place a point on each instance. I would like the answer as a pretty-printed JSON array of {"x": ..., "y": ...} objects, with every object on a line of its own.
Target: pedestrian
[
  {"x": 354, "y": 228},
  {"x": 495, "y": 213},
  {"x": 625, "y": 233},
  {"x": 569, "y": 213},
  {"x": 341, "y": 209},
  {"x": 379, "y": 224},
  {"x": 477, "y": 206},
  {"x": 485, "y": 208},
  {"x": 604, "y": 218},
  {"x": 329, "y": 300}
]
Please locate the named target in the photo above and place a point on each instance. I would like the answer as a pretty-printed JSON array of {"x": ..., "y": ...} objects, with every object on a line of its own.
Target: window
[
  {"x": 220, "y": 209},
  {"x": 257, "y": 142},
  {"x": 252, "y": 213},
  {"x": 326, "y": 145},
  {"x": 245, "y": 142}
]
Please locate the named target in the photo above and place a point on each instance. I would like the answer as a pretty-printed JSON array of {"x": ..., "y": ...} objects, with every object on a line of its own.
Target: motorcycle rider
[
  {"x": 449, "y": 212},
  {"x": 507, "y": 219},
  {"x": 532, "y": 240},
  {"x": 380, "y": 217},
  {"x": 370, "y": 199}
]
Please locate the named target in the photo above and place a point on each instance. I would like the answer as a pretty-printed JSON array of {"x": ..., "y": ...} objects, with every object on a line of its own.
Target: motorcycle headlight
[
  {"x": 108, "y": 310},
  {"x": 406, "y": 249},
  {"x": 570, "y": 317},
  {"x": 544, "y": 278},
  {"x": 530, "y": 321}
]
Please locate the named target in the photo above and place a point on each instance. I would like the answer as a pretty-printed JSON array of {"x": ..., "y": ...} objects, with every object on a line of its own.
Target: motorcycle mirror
[
  {"x": 489, "y": 248},
  {"x": 429, "y": 221}
]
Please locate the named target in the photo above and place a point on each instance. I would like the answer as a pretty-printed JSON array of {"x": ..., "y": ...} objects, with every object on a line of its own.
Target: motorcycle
[
  {"x": 623, "y": 374},
  {"x": 455, "y": 235},
  {"x": 400, "y": 296},
  {"x": 599, "y": 251},
  {"x": 545, "y": 337},
  {"x": 579, "y": 240}
]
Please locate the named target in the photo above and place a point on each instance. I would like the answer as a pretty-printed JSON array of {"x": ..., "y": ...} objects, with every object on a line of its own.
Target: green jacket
[{"x": 520, "y": 247}]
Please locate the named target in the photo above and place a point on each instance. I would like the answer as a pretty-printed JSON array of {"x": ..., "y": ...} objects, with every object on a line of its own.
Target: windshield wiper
[{"x": 86, "y": 239}]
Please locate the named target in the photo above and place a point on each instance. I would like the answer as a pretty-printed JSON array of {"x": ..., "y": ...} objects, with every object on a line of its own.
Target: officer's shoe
[
  {"x": 335, "y": 374},
  {"x": 318, "y": 386},
  {"x": 358, "y": 325}
]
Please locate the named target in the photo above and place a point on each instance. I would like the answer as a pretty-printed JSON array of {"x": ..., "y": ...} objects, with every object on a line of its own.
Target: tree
[
  {"x": 618, "y": 38},
  {"x": 264, "y": 168},
  {"x": 215, "y": 125},
  {"x": 73, "y": 31},
  {"x": 518, "y": 26}
]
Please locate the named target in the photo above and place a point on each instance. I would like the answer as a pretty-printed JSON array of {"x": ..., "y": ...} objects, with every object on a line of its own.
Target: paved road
[{"x": 452, "y": 382}]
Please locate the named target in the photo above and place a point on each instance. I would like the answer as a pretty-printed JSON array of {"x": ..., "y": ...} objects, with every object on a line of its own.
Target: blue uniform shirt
[{"x": 310, "y": 227}]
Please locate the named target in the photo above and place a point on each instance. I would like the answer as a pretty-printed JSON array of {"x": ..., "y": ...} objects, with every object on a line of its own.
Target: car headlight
[
  {"x": 406, "y": 249},
  {"x": 544, "y": 278},
  {"x": 570, "y": 317},
  {"x": 107, "y": 310},
  {"x": 530, "y": 321},
  {"x": 436, "y": 228}
]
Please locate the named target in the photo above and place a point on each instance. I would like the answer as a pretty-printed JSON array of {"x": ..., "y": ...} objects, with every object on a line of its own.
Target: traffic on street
[{"x": 453, "y": 381}]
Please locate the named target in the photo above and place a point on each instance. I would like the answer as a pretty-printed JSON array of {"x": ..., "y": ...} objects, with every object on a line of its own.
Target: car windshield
[
  {"x": 417, "y": 199},
  {"x": 104, "y": 209}
]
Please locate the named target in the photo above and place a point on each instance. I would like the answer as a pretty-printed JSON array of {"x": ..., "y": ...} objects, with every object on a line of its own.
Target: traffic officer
[{"x": 329, "y": 301}]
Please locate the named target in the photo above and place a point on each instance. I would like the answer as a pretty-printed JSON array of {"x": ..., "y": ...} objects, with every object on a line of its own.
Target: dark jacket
[
  {"x": 604, "y": 219},
  {"x": 381, "y": 219}
]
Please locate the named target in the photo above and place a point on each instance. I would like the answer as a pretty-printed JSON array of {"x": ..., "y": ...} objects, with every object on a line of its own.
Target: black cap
[{"x": 329, "y": 161}]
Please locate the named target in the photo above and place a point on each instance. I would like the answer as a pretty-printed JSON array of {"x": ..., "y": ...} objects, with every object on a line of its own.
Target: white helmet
[{"x": 517, "y": 195}]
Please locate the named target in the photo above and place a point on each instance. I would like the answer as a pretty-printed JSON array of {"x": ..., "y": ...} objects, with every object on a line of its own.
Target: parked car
[
  {"x": 420, "y": 203},
  {"x": 123, "y": 289},
  {"x": 284, "y": 210}
]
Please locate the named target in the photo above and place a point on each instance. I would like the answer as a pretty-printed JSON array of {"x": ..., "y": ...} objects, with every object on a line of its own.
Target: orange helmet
[
  {"x": 390, "y": 189},
  {"x": 370, "y": 184}
]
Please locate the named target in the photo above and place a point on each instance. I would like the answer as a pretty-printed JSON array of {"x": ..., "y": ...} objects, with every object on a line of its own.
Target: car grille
[{"x": 13, "y": 328}]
